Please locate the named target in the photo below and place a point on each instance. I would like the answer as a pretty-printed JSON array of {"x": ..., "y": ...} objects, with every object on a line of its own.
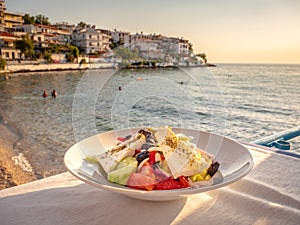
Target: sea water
[{"x": 243, "y": 101}]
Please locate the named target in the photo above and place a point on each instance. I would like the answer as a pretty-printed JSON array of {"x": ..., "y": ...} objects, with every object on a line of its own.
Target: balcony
[{"x": 14, "y": 20}]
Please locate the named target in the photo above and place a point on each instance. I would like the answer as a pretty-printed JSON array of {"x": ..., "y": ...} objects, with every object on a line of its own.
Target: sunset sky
[{"x": 228, "y": 31}]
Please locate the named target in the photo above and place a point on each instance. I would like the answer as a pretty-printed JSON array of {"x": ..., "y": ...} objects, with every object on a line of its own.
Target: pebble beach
[{"x": 11, "y": 172}]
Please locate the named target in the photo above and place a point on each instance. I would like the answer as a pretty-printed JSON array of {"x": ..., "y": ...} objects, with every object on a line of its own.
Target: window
[
  {"x": 7, "y": 55},
  {"x": 91, "y": 44},
  {"x": 90, "y": 36}
]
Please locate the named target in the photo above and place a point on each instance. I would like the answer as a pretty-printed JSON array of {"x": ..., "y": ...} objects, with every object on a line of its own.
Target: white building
[
  {"x": 152, "y": 46},
  {"x": 182, "y": 47},
  {"x": 40, "y": 28},
  {"x": 106, "y": 40},
  {"x": 91, "y": 40},
  {"x": 120, "y": 37},
  {"x": 43, "y": 35},
  {"x": 2, "y": 18},
  {"x": 7, "y": 46}
]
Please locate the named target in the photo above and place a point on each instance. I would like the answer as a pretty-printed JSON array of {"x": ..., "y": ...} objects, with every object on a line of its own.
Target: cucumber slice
[
  {"x": 125, "y": 162},
  {"x": 121, "y": 175}
]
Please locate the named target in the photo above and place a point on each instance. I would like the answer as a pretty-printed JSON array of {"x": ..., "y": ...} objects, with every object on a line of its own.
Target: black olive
[
  {"x": 145, "y": 132},
  {"x": 213, "y": 168},
  {"x": 128, "y": 137},
  {"x": 146, "y": 146},
  {"x": 142, "y": 155},
  {"x": 151, "y": 139}
]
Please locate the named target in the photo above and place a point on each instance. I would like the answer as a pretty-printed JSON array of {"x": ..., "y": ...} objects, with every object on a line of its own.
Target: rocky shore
[{"x": 26, "y": 67}]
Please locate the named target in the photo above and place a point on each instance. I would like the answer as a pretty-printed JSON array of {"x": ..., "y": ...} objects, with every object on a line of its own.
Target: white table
[{"x": 270, "y": 194}]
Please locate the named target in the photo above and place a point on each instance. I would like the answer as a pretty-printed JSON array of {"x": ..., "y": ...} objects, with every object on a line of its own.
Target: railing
[{"x": 279, "y": 140}]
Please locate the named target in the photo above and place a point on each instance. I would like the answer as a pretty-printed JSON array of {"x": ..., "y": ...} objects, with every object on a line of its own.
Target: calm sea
[{"x": 243, "y": 101}]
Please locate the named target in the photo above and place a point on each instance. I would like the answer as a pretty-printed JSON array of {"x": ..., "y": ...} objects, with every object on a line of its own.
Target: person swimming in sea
[
  {"x": 54, "y": 94},
  {"x": 45, "y": 94}
]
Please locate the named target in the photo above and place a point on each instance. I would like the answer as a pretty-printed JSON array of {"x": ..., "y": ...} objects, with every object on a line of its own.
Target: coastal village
[{"x": 32, "y": 43}]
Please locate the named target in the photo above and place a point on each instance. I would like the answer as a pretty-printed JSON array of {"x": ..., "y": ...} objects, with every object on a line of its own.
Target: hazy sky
[{"x": 242, "y": 31}]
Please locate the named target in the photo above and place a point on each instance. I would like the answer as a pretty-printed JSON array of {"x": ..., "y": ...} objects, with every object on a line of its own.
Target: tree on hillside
[
  {"x": 29, "y": 19},
  {"x": 113, "y": 44},
  {"x": 73, "y": 53},
  {"x": 126, "y": 54},
  {"x": 191, "y": 48},
  {"x": 55, "y": 49},
  {"x": 202, "y": 56},
  {"x": 41, "y": 19},
  {"x": 82, "y": 24},
  {"x": 38, "y": 19},
  {"x": 25, "y": 45}
]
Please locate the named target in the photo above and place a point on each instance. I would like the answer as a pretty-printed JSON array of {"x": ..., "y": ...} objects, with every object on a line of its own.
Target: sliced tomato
[
  {"x": 122, "y": 139},
  {"x": 168, "y": 184},
  {"x": 141, "y": 181},
  {"x": 184, "y": 182},
  {"x": 162, "y": 156},
  {"x": 152, "y": 157},
  {"x": 147, "y": 170},
  {"x": 137, "y": 151}
]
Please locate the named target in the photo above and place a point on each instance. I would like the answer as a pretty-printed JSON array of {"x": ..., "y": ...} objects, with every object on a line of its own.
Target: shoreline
[
  {"x": 12, "y": 165},
  {"x": 45, "y": 67}
]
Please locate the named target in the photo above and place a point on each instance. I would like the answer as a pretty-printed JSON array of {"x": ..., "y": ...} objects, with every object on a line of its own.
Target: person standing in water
[
  {"x": 54, "y": 94},
  {"x": 45, "y": 94}
]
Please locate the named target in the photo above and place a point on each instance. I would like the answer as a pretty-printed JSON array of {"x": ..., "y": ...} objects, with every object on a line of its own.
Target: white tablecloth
[{"x": 270, "y": 194}]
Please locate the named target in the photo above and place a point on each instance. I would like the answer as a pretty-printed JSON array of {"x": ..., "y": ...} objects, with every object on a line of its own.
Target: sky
[{"x": 228, "y": 31}]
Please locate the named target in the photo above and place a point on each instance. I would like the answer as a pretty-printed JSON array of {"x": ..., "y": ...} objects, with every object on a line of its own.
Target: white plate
[{"x": 235, "y": 162}]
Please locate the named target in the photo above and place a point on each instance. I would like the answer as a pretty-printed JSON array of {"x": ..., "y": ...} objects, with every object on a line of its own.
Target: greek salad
[{"x": 157, "y": 159}]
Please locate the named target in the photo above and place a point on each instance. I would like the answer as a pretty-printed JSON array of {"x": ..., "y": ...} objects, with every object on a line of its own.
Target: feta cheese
[
  {"x": 182, "y": 156},
  {"x": 187, "y": 160},
  {"x": 111, "y": 157}
]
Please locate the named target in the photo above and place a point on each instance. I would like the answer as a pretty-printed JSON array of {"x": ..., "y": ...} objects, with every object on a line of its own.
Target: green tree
[
  {"x": 25, "y": 45},
  {"x": 2, "y": 63},
  {"x": 113, "y": 44},
  {"x": 202, "y": 56},
  {"x": 38, "y": 19},
  {"x": 55, "y": 49},
  {"x": 47, "y": 57},
  {"x": 29, "y": 19},
  {"x": 125, "y": 53},
  {"x": 41, "y": 19},
  {"x": 73, "y": 53},
  {"x": 82, "y": 24},
  {"x": 191, "y": 48}
]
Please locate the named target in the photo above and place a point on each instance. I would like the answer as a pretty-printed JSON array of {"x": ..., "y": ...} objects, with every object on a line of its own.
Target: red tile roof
[{"x": 5, "y": 34}]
